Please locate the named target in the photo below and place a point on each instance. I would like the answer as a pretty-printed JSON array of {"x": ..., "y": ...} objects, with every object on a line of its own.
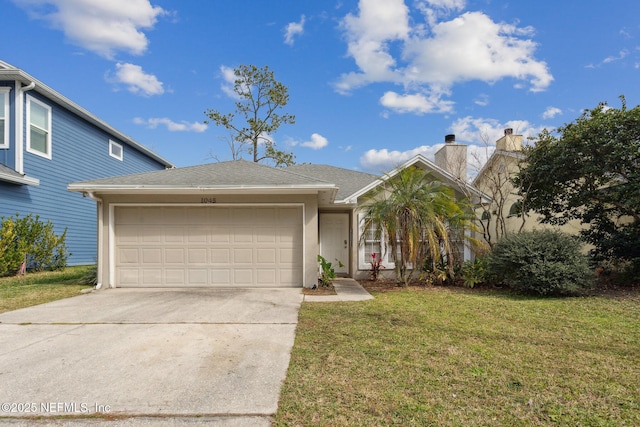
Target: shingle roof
[
  {"x": 235, "y": 173},
  {"x": 348, "y": 181}
]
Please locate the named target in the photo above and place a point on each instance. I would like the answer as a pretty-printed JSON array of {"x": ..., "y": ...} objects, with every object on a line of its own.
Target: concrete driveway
[{"x": 154, "y": 356}]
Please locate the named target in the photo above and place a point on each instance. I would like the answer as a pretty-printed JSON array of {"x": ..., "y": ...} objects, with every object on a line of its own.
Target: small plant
[
  {"x": 376, "y": 266},
  {"x": 542, "y": 262},
  {"x": 474, "y": 272},
  {"x": 327, "y": 273}
]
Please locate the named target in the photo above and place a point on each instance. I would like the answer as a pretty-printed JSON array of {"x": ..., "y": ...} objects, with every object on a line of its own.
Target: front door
[{"x": 334, "y": 240}]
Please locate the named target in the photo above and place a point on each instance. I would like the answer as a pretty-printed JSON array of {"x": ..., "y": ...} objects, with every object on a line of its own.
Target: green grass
[
  {"x": 38, "y": 288},
  {"x": 452, "y": 357}
]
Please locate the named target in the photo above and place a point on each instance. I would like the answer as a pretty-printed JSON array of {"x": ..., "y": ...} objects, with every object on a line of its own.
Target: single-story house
[{"x": 236, "y": 223}]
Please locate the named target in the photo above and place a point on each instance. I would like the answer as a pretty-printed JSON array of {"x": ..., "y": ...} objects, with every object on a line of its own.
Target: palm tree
[{"x": 418, "y": 217}]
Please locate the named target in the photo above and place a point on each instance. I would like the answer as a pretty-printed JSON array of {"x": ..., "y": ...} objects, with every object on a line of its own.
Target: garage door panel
[
  {"x": 219, "y": 235},
  {"x": 208, "y": 246},
  {"x": 128, "y": 256},
  {"x": 220, "y": 255},
  {"x": 266, "y": 256},
  {"x": 151, "y": 276},
  {"x": 174, "y": 256},
  {"x": 242, "y": 234},
  {"x": 174, "y": 234},
  {"x": 151, "y": 256},
  {"x": 175, "y": 277},
  {"x": 266, "y": 234},
  {"x": 197, "y": 256},
  {"x": 220, "y": 276},
  {"x": 197, "y": 234},
  {"x": 243, "y": 277},
  {"x": 242, "y": 256},
  {"x": 198, "y": 277},
  {"x": 265, "y": 276},
  {"x": 128, "y": 276}
]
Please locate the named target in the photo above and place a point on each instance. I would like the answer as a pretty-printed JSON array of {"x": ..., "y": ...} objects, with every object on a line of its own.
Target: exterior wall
[
  {"x": 80, "y": 152},
  {"x": 509, "y": 166},
  {"x": 310, "y": 212}
]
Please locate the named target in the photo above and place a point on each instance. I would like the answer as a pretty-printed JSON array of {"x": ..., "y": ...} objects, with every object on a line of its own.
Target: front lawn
[
  {"x": 38, "y": 288},
  {"x": 454, "y": 357}
]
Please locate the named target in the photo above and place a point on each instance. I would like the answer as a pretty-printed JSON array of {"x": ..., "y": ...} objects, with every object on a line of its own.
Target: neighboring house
[
  {"x": 46, "y": 142},
  {"x": 502, "y": 215},
  {"x": 235, "y": 223}
]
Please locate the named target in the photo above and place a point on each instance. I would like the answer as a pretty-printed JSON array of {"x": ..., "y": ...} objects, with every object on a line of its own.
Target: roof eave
[{"x": 200, "y": 189}]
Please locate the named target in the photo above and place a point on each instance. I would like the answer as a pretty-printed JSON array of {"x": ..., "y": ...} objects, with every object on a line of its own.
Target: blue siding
[{"x": 80, "y": 152}]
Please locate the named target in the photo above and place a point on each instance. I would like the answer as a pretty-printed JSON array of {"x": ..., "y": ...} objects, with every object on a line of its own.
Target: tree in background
[
  {"x": 590, "y": 172},
  {"x": 419, "y": 220},
  {"x": 256, "y": 117}
]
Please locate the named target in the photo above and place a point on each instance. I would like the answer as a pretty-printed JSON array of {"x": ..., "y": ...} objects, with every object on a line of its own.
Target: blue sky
[{"x": 371, "y": 82}]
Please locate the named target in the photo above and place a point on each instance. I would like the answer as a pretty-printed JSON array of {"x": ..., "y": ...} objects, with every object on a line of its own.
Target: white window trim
[
  {"x": 365, "y": 264},
  {"x": 112, "y": 154},
  {"x": 46, "y": 155},
  {"x": 4, "y": 139}
]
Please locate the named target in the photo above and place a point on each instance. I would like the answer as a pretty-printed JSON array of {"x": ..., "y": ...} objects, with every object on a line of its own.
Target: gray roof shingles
[
  {"x": 348, "y": 181},
  {"x": 236, "y": 173}
]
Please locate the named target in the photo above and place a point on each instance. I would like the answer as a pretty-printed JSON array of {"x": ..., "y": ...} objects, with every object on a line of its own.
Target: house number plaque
[{"x": 207, "y": 200}]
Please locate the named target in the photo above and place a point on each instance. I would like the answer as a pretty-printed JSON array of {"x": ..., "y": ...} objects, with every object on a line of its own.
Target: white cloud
[
  {"x": 293, "y": 29},
  {"x": 103, "y": 27},
  {"x": 551, "y": 112},
  {"x": 228, "y": 81},
  {"x": 415, "y": 103},
  {"x": 384, "y": 160},
  {"x": 484, "y": 132},
  {"x": 482, "y": 100},
  {"x": 137, "y": 80},
  {"x": 316, "y": 142},
  {"x": 621, "y": 55},
  {"x": 431, "y": 57},
  {"x": 183, "y": 126}
]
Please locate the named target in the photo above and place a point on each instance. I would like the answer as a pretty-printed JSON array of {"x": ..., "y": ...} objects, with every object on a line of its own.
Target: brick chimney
[
  {"x": 509, "y": 142},
  {"x": 452, "y": 157}
]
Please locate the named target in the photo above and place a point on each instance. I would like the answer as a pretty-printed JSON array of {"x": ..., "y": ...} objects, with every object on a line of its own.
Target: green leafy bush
[
  {"x": 475, "y": 272},
  {"x": 541, "y": 262},
  {"x": 31, "y": 241}
]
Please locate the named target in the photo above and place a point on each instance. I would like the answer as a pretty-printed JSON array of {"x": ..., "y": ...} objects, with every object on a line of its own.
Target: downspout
[
  {"x": 99, "y": 261},
  {"x": 19, "y": 167}
]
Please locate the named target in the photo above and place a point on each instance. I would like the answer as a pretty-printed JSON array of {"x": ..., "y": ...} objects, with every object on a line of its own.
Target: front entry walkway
[{"x": 347, "y": 289}]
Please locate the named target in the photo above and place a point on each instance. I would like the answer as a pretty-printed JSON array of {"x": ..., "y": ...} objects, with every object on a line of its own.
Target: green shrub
[
  {"x": 475, "y": 272},
  {"x": 541, "y": 262},
  {"x": 32, "y": 241}
]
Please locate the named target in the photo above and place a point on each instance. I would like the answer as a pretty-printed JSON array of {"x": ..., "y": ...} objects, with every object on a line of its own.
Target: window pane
[
  {"x": 116, "y": 150},
  {"x": 39, "y": 116},
  {"x": 2, "y": 99},
  {"x": 38, "y": 140}
]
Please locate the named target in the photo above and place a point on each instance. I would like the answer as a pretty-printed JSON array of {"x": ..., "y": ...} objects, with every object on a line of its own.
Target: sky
[{"x": 371, "y": 82}]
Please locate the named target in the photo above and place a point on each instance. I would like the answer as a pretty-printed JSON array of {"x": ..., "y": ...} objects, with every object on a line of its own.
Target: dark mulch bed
[{"x": 320, "y": 290}]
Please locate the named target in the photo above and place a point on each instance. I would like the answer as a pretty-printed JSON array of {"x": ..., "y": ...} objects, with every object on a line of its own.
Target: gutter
[
  {"x": 19, "y": 107},
  {"x": 98, "y": 200}
]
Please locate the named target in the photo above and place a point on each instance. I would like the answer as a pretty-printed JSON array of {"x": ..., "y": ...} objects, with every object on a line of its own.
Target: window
[
  {"x": 370, "y": 245},
  {"x": 115, "y": 150},
  {"x": 4, "y": 117},
  {"x": 39, "y": 133}
]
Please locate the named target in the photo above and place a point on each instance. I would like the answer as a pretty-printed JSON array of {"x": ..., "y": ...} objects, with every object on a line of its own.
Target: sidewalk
[{"x": 347, "y": 289}]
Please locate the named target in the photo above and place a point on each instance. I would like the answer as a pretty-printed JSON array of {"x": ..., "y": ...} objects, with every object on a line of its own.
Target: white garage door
[{"x": 221, "y": 246}]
